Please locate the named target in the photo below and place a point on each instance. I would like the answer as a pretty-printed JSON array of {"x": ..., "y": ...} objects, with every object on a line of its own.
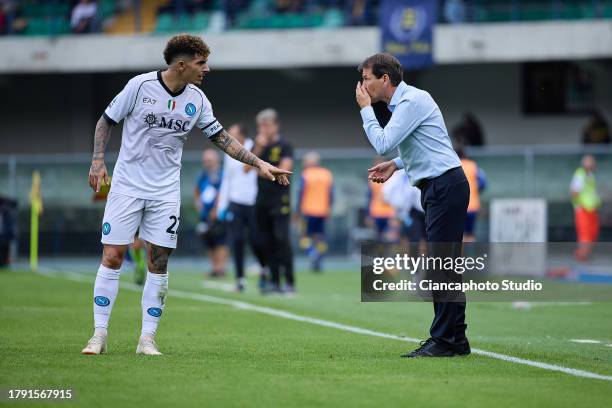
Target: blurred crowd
[
  {"x": 52, "y": 17},
  {"x": 48, "y": 17}
]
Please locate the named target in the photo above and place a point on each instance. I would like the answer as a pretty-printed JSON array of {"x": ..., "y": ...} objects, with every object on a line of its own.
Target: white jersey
[
  {"x": 155, "y": 128},
  {"x": 401, "y": 195},
  {"x": 237, "y": 186}
]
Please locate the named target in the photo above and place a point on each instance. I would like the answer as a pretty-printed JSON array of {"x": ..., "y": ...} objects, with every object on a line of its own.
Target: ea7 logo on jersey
[
  {"x": 148, "y": 100},
  {"x": 174, "y": 124}
]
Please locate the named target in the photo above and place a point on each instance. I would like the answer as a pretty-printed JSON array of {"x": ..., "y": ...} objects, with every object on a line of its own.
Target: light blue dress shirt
[{"x": 417, "y": 130}]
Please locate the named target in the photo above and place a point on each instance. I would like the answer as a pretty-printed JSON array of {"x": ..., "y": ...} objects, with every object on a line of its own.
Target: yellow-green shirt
[{"x": 583, "y": 183}]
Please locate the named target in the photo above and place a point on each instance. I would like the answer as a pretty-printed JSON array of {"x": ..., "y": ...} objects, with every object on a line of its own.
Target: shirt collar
[{"x": 397, "y": 95}]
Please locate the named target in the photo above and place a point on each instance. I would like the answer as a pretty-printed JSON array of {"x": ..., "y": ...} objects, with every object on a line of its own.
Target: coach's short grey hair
[{"x": 267, "y": 114}]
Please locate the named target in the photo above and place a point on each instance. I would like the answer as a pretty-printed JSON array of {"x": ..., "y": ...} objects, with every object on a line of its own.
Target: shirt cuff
[
  {"x": 399, "y": 163},
  {"x": 109, "y": 119},
  {"x": 367, "y": 113}
]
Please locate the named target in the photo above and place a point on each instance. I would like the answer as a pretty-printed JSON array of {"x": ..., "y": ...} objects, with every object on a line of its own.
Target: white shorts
[{"x": 124, "y": 215}]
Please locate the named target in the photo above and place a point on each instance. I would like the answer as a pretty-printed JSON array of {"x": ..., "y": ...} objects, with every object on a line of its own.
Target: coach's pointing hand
[
  {"x": 382, "y": 172},
  {"x": 97, "y": 175},
  {"x": 273, "y": 173},
  {"x": 362, "y": 96}
]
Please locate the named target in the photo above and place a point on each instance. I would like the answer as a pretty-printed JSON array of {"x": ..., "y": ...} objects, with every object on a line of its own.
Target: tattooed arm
[
  {"x": 233, "y": 148},
  {"x": 97, "y": 172}
]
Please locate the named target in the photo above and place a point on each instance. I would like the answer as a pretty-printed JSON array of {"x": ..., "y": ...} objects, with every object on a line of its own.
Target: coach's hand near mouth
[{"x": 362, "y": 96}]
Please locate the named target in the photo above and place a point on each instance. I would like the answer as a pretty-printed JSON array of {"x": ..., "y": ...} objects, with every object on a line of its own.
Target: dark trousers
[
  {"x": 274, "y": 241},
  {"x": 445, "y": 200},
  {"x": 242, "y": 226}
]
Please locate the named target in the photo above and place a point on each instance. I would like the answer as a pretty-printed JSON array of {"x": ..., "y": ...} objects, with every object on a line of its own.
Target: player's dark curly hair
[
  {"x": 384, "y": 63},
  {"x": 185, "y": 44}
]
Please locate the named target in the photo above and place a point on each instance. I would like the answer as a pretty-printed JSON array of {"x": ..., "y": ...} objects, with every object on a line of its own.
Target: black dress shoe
[
  {"x": 463, "y": 348},
  {"x": 430, "y": 348}
]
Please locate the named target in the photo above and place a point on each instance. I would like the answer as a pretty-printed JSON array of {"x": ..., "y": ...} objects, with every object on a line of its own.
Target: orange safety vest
[
  {"x": 471, "y": 173},
  {"x": 378, "y": 206},
  {"x": 317, "y": 190}
]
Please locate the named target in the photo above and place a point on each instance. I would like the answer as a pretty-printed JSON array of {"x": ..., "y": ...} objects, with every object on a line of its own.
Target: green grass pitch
[{"x": 220, "y": 355}]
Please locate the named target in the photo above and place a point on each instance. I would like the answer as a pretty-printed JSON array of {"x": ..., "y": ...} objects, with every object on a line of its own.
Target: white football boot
[
  {"x": 95, "y": 345},
  {"x": 147, "y": 346}
]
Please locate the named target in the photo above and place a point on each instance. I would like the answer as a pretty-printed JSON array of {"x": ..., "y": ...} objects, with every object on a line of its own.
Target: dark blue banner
[{"x": 407, "y": 30}]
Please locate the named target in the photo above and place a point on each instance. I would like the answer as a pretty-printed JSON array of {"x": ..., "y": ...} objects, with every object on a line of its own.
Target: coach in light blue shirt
[
  {"x": 416, "y": 129},
  {"x": 418, "y": 132}
]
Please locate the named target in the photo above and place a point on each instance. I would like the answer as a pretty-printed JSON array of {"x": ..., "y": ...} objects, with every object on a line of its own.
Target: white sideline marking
[
  {"x": 561, "y": 303},
  {"x": 586, "y": 341},
  {"x": 224, "y": 286},
  {"x": 326, "y": 323}
]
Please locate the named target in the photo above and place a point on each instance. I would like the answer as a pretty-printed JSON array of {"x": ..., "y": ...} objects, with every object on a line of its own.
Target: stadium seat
[
  {"x": 298, "y": 20},
  {"x": 248, "y": 21},
  {"x": 200, "y": 21},
  {"x": 332, "y": 18},
  {"x": 183, "y": 23},
  {"x": 106, "y": 8},
  {"x": 165, "y": 23},
  {"x": 259, "y": 7},
  {"x": 606, "y": 9},
  {"x": 38, "y": 26},
  {"x": 61, "y": 10},
  {"x": 276, "y": 21},
  {"x": 535, "y": 13},
  {"x": 32, "y": 10},
  {"x": 63, "y": 26},
  {"x": 316, "y": 20}
]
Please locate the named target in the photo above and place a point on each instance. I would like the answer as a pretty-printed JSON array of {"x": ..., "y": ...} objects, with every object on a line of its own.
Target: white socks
[
  {"x": 105, "y": 293},
  {"x": 153, "y": 301}
]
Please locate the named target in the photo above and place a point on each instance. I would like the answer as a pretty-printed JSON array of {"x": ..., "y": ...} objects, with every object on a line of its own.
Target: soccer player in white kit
[{"x": 158, "y": 109}]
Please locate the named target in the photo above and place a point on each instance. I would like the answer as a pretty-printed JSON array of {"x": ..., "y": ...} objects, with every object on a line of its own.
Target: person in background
[
  {"x": 287, "y": 6},
  {"x": 586, "y": 202},
  {"x": 380, "y": 213},
  {"x": 210, "y": 228},
  {"x": 477, "y": 180},
  {"x": 360, "y": 12},
  {"x": 406, "y": 201},
  {"x": 454, "y": 11},
  {"x": 83, "y": 17},
  {"x": 272, "y": 205},
  {"x": 8, "y": 228},
  {"x": 315, "y": 203},
  {"x": 597, "y": 130},
  {"x": 236, "y": 206},
  {"x": 3, "y": 19},
  {"x": 469, "y": 132},
  {"x": 138, "y": 253}
]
